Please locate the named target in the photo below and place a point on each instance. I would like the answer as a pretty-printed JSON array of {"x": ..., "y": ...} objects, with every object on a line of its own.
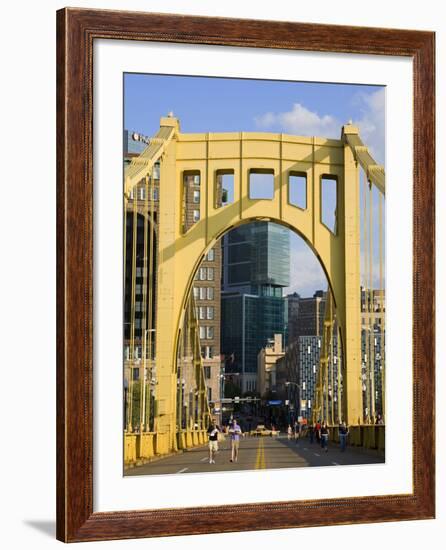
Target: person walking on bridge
[
  {"x": 213, "y": 432},
  {"x": 317, "y": 431},
  {"x": 235, "y": 433},
  {"x": 324, "y": 436},
  {"x": 343, "y": 433}
]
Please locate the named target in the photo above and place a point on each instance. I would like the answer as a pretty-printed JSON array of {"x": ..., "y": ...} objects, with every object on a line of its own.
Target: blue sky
[{"x": 224, "y": 105}]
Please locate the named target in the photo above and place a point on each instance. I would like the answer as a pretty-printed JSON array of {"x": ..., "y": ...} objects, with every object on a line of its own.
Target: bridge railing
[{"x": 367, "y": 436}]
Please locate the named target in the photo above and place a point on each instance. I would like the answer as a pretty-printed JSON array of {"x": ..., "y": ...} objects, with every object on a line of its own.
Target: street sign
[{"x": 275, "y": 402}]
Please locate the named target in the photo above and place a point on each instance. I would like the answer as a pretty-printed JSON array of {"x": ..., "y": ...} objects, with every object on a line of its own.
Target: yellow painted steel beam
[
  {"x": 375, "y": 172},
  {"x": 180, "y": 252},
  {"x": 349, "y": 312}
]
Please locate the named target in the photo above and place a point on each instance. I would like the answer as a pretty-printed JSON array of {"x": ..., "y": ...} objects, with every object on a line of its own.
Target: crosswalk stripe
[
  {"x": 315, "y": 454},
  {"x": 183, "y": 470}
]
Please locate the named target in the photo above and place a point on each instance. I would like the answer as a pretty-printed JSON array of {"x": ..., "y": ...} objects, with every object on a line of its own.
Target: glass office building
[
  {"x": 256, "y": 268},
  {"x": 256, "y": 259}
]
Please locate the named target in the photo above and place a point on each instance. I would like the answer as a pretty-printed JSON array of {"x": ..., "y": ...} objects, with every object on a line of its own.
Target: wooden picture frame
[{"x": 76, "y": 31}]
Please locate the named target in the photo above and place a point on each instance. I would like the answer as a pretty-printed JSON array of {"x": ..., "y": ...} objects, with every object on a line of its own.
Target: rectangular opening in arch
[
  {"x": 329, "y": 202},
  {"x": 191, "y": 198},
  {"x": 297, "y": 189},
  {"x": 224, "y": 187},
  {"x": 261, "y": 183}
]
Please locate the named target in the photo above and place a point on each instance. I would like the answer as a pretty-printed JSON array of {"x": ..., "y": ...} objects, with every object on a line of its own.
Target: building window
[
  {"x": 202, "y": 333},
  {"x": 210, "y": 312},
  {"x": 197, "y": 179},
  {"x": 203, "y": 273},
  {"x": 203, "y": 293},
  {"x": 142, "y": 194},
  {"x": 196, "y": 292},
  {"x": 202, "y": 312},
  {"x": 209, "y": 394},
  {"x": 207, "y": 372},
  {"x": 209, "y": 332},
  {"x": 196, "y": 197},
  {"x": 210, "y": 273},
  {"x": 210, "y": 255},
  {"x": 196, "y": 215},
  {"x": 210, "y": 292}
]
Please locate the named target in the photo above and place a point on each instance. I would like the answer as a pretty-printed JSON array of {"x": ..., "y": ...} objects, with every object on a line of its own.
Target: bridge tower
[{"x": 180, "y": 249}]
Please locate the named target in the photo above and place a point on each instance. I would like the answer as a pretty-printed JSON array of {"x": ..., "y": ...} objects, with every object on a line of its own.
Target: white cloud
[
  {"x": 306, "y": 273},
  {"x": 300, "y": 121},
  {"x": 371, "y": 123}
]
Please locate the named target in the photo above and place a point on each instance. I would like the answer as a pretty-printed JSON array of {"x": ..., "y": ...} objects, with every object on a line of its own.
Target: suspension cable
[
  {"x": 144, "y": 308},
  {"x": 372, "y": 309},
  {"x": 365, "y": 356},
  {"x": 381, "y": 307},
  {"x": 132, "y": 312}
]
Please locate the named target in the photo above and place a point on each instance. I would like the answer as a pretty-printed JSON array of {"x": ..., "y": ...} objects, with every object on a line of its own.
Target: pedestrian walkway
[{"x": 257, "y": 453}]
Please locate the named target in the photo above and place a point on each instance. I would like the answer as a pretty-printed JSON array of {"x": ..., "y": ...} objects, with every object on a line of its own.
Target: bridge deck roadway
[{"x": 258, "y": 453}]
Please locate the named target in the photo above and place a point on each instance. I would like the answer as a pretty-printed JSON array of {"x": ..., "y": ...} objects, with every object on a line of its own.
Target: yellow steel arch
[{"x": 181, "y": 252}]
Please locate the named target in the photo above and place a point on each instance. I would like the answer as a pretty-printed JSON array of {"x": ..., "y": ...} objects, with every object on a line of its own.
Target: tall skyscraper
[
  {"x": 305, "y": 315},
  {"x": 256, "y": 268}
]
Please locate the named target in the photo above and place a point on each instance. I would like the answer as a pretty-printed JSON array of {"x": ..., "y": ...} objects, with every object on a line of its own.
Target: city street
[{"x": 257, "y": 453}]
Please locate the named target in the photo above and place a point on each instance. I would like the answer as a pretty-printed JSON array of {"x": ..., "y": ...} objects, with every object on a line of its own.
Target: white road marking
[
  {"x": 305, "y": 449},
  {"x": 315, "y": 454},
  {"x": 183, "y": 470},
  {"x": 204, "y": 458},
  {"x": 335, "y": 463}
]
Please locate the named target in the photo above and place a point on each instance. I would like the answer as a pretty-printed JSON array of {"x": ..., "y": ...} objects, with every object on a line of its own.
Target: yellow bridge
[{"x": 163, "y": 351}]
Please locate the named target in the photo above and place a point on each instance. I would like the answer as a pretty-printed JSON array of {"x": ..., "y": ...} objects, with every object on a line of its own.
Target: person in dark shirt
[
  {"x": 324, "y": 436},
  {"x": 213, "y": 432},
  {"x": 343, "y": 432}
]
